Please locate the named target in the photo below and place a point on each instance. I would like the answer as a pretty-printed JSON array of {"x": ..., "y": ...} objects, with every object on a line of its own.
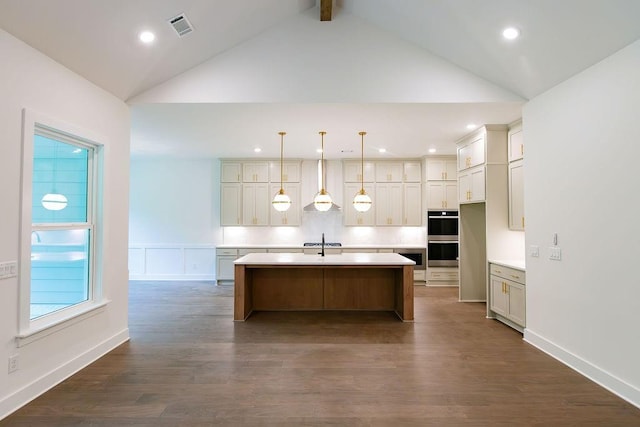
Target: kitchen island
[{"x": 300, "y": 282}]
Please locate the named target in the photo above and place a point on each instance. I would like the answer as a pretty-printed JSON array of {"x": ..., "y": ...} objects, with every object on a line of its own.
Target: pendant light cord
[
  {"x": 362, "y": 134},
  {"x": 322, "y": 133},
  {"x": 282, "y": 134}
]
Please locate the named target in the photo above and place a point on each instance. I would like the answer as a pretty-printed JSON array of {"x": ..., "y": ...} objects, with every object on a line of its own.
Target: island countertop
[{"x": 357, "y": 259}]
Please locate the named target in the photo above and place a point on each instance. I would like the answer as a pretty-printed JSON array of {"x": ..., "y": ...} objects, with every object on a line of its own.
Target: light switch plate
[
  {"x": 8, "y": 269},
  {"x": 534, "y": 251},
  {"x": 555, "y": 253}
]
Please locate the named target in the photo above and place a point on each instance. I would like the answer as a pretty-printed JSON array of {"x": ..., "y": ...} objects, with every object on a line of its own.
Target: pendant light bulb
[
  {"x": 322, "y": 200},
  {"x": 362, "y": 201},
  {"x": 281, "y": 201}
]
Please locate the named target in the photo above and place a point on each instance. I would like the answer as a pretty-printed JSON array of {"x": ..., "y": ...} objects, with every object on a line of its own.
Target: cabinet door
[
  {"x": 516, "y": 195},
  {"x": 255, "y": 172},
  {"x": 388, "y": 204},
  {"x": 290, "y": 171},
  {"x": 290, "y": 217},
  {"x": 353, "y": 171},
  {"x": 255, "y": 204},
  {"x": 516, "y": 303},
  {"x": 389, "y": 171},
  {"x": 471, "y": 154},
  {"x": 230, "y": 204},
  {"x": 351, "y": 215},
  {"x": 412, "y": 172},
  {"x": 224, "y": 267},
  {"x": 516, "y": 144},
  {"x": 471, "y": 186},
  {"x": 412, "y": 205},
  {"x": 450, "y": 195},
  {"x": 435, "y": 195},
  {"x": 441, "y": 169},
  {"x": 499, "y": 300},
  {"x": 230, "y": 171}
]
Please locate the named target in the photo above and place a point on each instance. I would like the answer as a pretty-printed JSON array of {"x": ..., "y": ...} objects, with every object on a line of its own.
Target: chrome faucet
[{"x": 322, "y": 251}]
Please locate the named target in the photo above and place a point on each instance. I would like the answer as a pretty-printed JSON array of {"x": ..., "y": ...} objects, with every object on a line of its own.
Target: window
[{"x": 58, "y": 268}]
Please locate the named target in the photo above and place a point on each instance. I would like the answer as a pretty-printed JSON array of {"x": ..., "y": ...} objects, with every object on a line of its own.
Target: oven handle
[
  {"x": 442, "y": 217},
  {"x": 442, "y": 241}
]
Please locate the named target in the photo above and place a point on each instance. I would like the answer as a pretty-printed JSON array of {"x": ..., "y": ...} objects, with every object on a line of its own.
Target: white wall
[
  {"x": 31, "y": 80},
  {"x": 582, "y": 176}
]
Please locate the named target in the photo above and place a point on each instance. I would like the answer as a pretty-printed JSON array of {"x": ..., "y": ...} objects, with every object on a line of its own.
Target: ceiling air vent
[{"x": 181, "y": 24}]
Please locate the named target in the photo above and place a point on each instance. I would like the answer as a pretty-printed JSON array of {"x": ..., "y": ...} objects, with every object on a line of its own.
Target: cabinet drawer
[
  {"x": 438, "y": 274},
  {"x": 507, "y": 273},
  {"x": 243, "y": 252},
  {"x": 220, "y": 251}
]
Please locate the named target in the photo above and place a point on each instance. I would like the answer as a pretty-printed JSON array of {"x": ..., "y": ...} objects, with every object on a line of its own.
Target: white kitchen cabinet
[
  {"x": 255, "y": 172},
  {"x": 412, "y": 204},
  {"x": 291, "y": 216},
  {"x": 471, "y": 185},
  {"x": 290, "y": 171},
  {"x": 516, "y": 195},
  {"x": 351, "y": 216},
  {"x": 352, "y": 170},
  {"x": 256, "y": 202},
  {"x": 388, "y": 204},
  {"x": 516, "y": 142},
  {"x": 442, "y": 169},
  {"x": 389, "y": 171},
  {"x": 471, "y": 152},
  {"x": 442, "y": 276},
  {"x": 230, "y": 171},
  {"x": 224, "y": 265},
  {"x": 442, "y": 194},
  {"x": 507, "y": 295},
  {"x": 315, "y": 250},
  {"x": 230, "y": 204},
  {"x": 412, "y": 171}
]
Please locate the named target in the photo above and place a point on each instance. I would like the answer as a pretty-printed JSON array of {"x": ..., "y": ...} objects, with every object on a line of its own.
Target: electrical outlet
[
  {"x": 13, "y": 363},
  {"x": 555, "y": 253},
  {"x": 8, "y": 269},
  {"x": 534, "y": 251}
]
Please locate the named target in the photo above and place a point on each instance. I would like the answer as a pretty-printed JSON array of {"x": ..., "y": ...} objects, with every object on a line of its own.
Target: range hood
[{"x": 322, "y": 175}]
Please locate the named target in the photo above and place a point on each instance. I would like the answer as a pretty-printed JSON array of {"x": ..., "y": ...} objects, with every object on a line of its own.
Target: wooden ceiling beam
[{"x": 325, "y": 10}]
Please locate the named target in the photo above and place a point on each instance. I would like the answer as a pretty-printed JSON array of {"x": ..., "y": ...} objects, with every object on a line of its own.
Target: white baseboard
[
  {"x": 182, "y": 277},
  {"x": 38, "y": 387},
  {"x": 601, "y": 377}
]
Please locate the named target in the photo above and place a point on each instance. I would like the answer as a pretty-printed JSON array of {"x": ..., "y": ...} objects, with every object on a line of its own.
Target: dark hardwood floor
[{"x": 189, "y": 364}]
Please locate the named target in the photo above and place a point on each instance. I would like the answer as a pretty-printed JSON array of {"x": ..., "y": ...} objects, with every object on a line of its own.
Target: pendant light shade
[
  {"x": 281, "y": 202},
  {"x": 322, "y": 201},
  {"x": 362, "y": 201}
]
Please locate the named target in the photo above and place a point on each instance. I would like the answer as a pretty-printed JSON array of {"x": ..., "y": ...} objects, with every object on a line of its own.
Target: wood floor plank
[{"x": 189, "y": 364}]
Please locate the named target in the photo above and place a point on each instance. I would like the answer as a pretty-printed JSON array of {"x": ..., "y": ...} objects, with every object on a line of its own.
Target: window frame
[{"x": 35, "y": 123}]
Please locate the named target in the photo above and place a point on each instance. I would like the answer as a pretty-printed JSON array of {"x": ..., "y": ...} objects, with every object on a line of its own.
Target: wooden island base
[{"x": 327, "y": 287}]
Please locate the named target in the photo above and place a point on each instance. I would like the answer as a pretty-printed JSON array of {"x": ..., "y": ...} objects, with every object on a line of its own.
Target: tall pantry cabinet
[{"x": 483, "y": 198}]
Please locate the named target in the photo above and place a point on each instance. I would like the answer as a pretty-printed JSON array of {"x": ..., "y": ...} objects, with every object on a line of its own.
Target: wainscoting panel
[{"x": 172, "y": 262}]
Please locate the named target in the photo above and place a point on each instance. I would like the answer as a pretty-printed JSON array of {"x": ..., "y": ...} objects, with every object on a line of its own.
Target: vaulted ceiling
[{"x": 411, "y": 72}]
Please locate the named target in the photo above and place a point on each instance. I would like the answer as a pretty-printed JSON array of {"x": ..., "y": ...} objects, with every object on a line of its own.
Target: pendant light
[
  {"x": 362, "y": 201},
  {"x": 281, "y": 202},
  {"x": 54, "y": 201},
  {"x": 322, "y": 201}
]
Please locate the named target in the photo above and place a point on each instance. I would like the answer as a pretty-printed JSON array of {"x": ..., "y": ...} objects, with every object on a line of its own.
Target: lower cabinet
[
  {"x": 507, "y": 295},
  {"x": 442, "y": 276}
]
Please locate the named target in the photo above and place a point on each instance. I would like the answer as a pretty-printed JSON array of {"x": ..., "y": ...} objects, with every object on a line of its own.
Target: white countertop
[
  {"x": 301, "y": 246},
  {"x": 362, "y": 259},
  {"x": 513, "y": 263}
]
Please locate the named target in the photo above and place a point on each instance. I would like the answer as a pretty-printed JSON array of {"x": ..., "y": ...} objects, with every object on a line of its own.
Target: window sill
[{"x": 59, "y": 323}]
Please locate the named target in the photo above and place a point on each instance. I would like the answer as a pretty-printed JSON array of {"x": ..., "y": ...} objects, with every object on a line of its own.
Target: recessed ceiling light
[
  {"x": 382, "y": 150},
  {"x": 432, "y": 150},
  {"x": 318, "y": 150},
  {"x": 510, "y": 33},
  {"x": 147, "y": 37},
  {"x": 471, "y": 126},
  {"x": 257, "y": 150}
]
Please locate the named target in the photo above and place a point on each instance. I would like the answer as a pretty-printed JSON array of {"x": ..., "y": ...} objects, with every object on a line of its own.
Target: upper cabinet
[
  {"x": 231, "y": 172},
  {"x": 351, "y": 215},
  {"x": 412, "y": 171},
  {"x": 255, "y": 172},
  {"x": 353, "y": 171},
  {"x": 290, "y": 171},
  {"x": 516, "y": 177},
  {"x": 389, "y": 171},
  {"x": 442, "y": 169},
  {"x": 484, "y": 148}
]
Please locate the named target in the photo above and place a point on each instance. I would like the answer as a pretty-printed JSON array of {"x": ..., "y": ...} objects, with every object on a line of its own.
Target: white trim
[
  {"x": 596, "y": 374},
  {"x": 181, "y": 277},
  {"x": 56, "y": 324},
  {"x": 26, "y": 394}
]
